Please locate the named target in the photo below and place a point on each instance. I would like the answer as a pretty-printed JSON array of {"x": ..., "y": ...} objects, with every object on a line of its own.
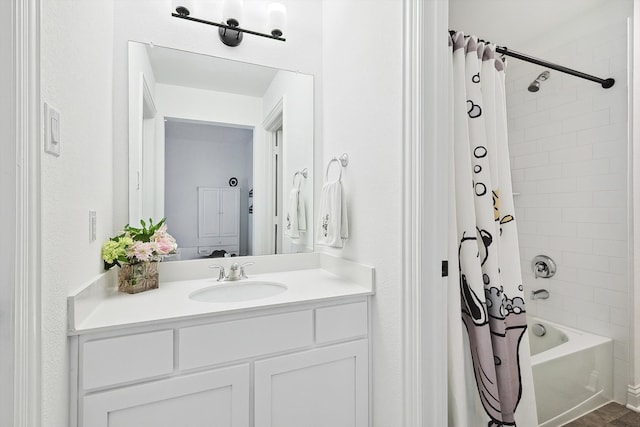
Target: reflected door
[{"x": 278, "y": 231}]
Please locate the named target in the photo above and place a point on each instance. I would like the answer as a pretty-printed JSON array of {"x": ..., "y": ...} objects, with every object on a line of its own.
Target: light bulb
[
  {"x": 232, "y": 12},
  {"x": 277, "y": 18}
]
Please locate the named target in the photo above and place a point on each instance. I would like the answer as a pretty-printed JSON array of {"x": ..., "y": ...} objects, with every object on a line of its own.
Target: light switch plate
[
  {"x": 52, "y": 138},
  {"x": 92, "y": 226}
]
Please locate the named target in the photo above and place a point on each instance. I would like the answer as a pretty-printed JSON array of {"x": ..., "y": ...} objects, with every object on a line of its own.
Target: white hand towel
[
  {"x": 332, "y": 227},
  {"x": 296, "y": 220}
]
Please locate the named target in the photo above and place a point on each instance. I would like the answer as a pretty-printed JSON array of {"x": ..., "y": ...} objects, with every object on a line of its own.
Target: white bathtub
[{"x": 572, "y": 372}]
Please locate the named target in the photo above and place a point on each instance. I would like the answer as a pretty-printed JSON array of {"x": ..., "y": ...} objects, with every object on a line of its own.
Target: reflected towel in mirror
[{"x": 296, "y": 215}]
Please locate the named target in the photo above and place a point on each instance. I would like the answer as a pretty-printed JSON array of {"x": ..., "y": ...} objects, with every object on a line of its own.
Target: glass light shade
[
  {"x": 277, "y": 18},
  {"x": 232, "y": 12}
]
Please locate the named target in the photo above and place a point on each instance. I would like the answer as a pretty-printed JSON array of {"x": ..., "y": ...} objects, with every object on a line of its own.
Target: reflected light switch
[{"x": 52, "y": 130}]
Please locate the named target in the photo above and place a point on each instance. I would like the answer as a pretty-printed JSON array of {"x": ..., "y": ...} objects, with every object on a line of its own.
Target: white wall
[
  {"x": 201, "y": 155},
  {"x": 569, "y": 150},
  {"x": 183, "y": 102},
  {"x": 8, "y": 171},
  {"x": 295, "y": 90},
  {"x": 76, "y": 78},
  {"x": 362, "y": 109},
  {"x": 141, "y": 191}
]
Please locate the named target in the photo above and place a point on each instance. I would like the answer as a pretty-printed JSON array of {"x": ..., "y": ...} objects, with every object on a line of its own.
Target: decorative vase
[{"x": 139, "y": 277}]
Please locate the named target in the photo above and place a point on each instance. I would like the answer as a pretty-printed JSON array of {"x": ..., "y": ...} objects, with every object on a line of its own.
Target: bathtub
[{"x": 572, "y": 372}]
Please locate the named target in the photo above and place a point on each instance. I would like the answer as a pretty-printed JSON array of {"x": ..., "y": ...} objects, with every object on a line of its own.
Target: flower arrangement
[{"x": 136, "y": 245}]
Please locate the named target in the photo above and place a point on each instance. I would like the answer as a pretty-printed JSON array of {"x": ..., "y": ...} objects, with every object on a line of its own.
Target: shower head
[{"x": 535, "y": 85}]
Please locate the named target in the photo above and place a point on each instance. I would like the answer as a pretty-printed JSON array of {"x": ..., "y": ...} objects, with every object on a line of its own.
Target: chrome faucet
[
  {"x": 221, "y": 275},
  {"x": 543, "y": 266},
  {"x": 540, "y": 294},
  {"x": 540, "y": 269},
  {"x": 236, "y": 271},
  {"x": 243, "y": 274}
]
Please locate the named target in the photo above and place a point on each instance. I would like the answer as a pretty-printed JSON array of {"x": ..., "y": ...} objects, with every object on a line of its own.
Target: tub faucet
[
  {"x": 540, "y": 270},
  {"x": 543, "y": 266},
  {"x": 540, "y": 294}
]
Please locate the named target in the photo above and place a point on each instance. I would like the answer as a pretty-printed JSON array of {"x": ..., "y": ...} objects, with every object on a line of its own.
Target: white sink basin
[{"x": 238, "y": 291}]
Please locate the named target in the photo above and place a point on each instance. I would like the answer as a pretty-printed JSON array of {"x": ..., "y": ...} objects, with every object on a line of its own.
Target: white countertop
[{"x": 91, "y": 311}]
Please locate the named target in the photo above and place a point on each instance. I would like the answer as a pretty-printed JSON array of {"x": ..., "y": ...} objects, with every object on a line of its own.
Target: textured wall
[
  {"x": 76, "y": 78},
  {"x": 569, "y": 146},
  {"x": 363, "y": 117}
]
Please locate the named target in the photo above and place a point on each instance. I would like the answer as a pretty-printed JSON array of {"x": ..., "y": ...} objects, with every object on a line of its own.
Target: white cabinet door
[
  {"x": 214, "y": 398},
  {"x": 230, "y": 212},
  {"x": 209, "y": 210},
  {"x": 218, "y": 212},
  {"x": 325, "y": 387}
]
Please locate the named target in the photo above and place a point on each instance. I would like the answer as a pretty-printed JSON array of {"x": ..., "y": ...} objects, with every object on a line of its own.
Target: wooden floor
[{"x": 610, "y": 415}]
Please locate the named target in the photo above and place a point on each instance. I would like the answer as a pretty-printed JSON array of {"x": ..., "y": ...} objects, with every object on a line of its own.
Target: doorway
[{"x": 202, "y": 155}]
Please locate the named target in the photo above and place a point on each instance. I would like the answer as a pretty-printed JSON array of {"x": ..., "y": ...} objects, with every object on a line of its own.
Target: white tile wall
[{"x": 568, "y": 147}]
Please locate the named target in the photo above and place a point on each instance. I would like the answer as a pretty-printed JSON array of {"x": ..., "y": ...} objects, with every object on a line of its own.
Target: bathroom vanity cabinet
[{"x": 293, "y": 366}]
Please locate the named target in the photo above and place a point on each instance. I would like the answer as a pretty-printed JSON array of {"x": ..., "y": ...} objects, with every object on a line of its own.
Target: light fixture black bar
[
  {"x": 605, "y": 83},
  {"x": 228, "y": 27}
]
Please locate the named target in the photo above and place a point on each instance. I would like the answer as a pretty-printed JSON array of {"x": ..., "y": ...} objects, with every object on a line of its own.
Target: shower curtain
[{"x": 490, "y": 378}]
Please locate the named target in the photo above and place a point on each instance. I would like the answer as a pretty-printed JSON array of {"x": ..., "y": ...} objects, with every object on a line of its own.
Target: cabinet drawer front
[
  {"x": 214, "y": 242},
  {"x": 134, "y": 357},
  {"x": 224, "y": 241},
  {"x": 341, "y": 322},
  {"x": 222, "y": 342},
  {"x": 206, "y": 250}
]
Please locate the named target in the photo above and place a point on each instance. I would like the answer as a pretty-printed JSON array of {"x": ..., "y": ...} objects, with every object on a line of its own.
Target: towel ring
[
  {"x": 304, "y": 174},
  {"x": 342, "y": 161}
]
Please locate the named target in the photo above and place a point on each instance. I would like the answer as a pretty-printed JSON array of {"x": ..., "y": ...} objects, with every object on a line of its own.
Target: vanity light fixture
[{"x": 229, "y": 30}]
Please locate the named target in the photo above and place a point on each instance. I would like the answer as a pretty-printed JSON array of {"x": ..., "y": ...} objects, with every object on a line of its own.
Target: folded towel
[
  {"x": 332, "y": 227},
  {"x": 296, "y": 215}
]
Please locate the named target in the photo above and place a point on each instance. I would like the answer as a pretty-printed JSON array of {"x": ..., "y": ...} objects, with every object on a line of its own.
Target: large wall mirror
[{"x": 223, "y": 149}]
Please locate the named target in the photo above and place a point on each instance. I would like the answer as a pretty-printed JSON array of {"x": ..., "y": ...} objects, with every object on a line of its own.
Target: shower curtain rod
[{"x": 605, "y": 83}]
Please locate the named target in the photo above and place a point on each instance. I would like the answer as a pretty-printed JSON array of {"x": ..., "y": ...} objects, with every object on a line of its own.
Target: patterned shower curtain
[{"x": 490, "y": 379}]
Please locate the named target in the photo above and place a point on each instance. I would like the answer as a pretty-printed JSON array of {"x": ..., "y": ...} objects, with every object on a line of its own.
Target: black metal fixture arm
[{"x": 229, "y": 28}]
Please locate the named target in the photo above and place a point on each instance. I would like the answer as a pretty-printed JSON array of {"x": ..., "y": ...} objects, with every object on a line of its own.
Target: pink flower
[
  {"x": 165, "y": 244},
  {"x": 143, "y": 251}
]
